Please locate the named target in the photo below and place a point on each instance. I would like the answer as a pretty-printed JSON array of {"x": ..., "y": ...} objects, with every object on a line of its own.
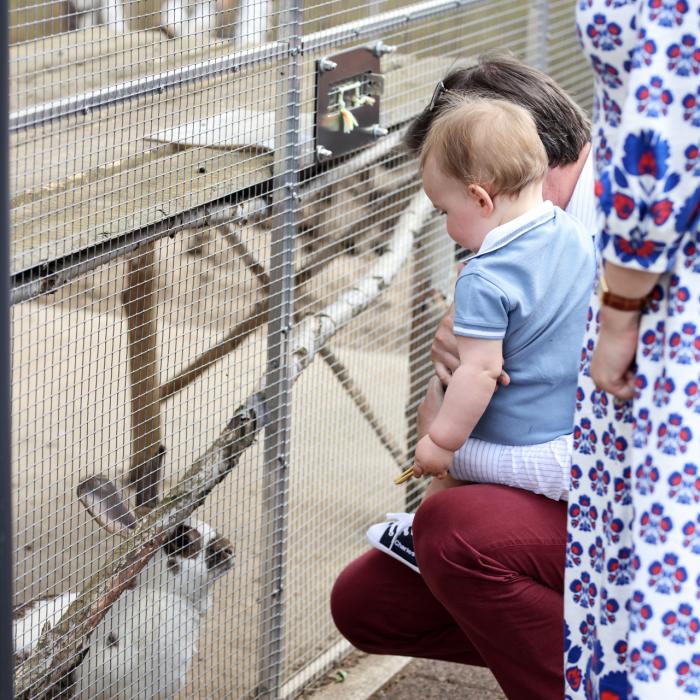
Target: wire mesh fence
[{"x": 220, "y": 330}]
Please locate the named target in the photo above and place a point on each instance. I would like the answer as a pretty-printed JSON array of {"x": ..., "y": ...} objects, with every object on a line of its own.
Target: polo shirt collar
[{"x": 505, "y": 233}]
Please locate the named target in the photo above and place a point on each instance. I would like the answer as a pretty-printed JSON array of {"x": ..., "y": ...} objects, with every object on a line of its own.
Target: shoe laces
[{"x": 401, "y": 522}]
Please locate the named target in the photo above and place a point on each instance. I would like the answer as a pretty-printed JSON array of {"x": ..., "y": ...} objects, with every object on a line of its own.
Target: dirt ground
[{"x": 71, "y": 403}]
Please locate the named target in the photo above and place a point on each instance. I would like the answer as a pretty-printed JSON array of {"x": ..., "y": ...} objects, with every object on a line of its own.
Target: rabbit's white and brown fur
[{"x": 143, "y": 646}]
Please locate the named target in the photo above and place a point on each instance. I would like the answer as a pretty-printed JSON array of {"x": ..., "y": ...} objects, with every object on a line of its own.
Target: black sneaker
[{"x": 395, "y": 537}]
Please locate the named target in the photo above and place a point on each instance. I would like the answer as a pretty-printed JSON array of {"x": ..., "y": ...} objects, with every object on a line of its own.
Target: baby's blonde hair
[{"x": 487, "y": 142}]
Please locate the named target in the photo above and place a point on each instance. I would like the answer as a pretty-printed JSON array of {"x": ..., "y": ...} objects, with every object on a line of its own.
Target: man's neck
[{"x": 560, "y": 182}]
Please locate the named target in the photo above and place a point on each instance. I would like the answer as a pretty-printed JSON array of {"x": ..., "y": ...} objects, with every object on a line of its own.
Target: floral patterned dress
[{"x": 632, "y": 598}]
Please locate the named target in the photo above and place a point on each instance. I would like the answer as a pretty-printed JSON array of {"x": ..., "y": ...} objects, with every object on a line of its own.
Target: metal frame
[
  {"x": 279, "y": 379},
  {"x": 6, "y": 566},
  {"x": 342, "y": 34}
]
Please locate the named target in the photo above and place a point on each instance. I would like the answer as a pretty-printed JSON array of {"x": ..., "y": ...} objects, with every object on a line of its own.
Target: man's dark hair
[{"x": 562, "y": 125}]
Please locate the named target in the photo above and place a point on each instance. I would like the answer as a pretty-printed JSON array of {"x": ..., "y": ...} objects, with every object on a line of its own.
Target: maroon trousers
[{"x": 490, "y": 591}]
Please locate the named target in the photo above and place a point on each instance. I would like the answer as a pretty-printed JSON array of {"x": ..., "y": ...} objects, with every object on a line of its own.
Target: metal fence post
[
  {"x": 6, "y": 568},
  {"x": 278, "y": 379}
]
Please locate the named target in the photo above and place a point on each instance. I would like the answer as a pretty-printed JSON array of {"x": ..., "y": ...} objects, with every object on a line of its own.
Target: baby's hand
[{"x": 431, "y": 459}]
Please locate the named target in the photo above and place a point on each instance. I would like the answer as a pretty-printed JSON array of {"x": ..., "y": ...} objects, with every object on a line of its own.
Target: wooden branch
[
  {"x": 46, "y": 672},
  {"x": 343, "y": 376},
  {"x": 139, "y": 302}
]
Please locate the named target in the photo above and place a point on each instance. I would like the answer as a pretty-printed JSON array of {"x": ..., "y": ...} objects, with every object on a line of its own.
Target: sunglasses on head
[{"x": 439, "y": 91}]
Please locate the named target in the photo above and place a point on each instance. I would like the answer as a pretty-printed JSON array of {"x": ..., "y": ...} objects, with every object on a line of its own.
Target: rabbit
[
  {"x": 143, "y": 646},
  {"x": 186, "y": 17},
  {"x": 91, "y": 12}
]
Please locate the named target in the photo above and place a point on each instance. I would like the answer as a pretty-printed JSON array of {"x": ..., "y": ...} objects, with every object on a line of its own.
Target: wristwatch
[{"x": 615, "y": 301}]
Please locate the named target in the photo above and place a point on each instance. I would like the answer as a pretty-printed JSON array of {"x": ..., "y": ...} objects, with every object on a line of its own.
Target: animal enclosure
[{"x": 221, "y": 321}]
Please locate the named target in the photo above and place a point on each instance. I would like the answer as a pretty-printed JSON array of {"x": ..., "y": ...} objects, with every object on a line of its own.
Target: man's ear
[{"x": 482, "y": 199}]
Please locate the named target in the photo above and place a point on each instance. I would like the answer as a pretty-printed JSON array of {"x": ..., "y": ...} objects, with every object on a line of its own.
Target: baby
[{"x": 520, "y": 307}]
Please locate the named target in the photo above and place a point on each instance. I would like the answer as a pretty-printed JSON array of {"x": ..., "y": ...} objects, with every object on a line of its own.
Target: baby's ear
[{"x": 482, "y": 198}]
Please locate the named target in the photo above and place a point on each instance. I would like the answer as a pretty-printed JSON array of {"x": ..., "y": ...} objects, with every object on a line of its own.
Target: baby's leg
[{"x": 542, "y": 468}]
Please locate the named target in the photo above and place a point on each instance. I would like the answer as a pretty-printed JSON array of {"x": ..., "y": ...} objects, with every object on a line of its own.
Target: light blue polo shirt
[{"x": 530, "y": 284}]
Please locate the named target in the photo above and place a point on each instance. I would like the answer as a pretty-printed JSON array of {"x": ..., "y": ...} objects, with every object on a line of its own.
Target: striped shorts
[{"x": 542, "y": 468}]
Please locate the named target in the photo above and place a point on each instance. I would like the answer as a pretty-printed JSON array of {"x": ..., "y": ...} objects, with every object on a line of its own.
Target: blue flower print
[
  {"x": 646, "y": 154},
  {"x": 640, "y": 612},
  {"x": 623, "y": 411},
  {"x": 599, "y": 403},
  {"x": 691, "y": 535},
  {"x": 574, "y": 552},
  {"x": 691, "y": 108},
  {"x": 620, "y": 567},
  {"x": 666, "y": 576},
  {"x": 646, "y": 476},
  {"x": 600, "y": 478},
  {"x": 689, "y": 213},
  {"x": 608, "y": 608},
  {"x": 652, "y": 342},
  {"x": 592, "y": 318},
  {"x": 609, "y": 75},
  {"x": 677, "y": 296},
  {"x": 681, "y": 626},
  {"x": 654, "y": 526},
  {"x": 668, "y": 13},
  {"x": 584, "y": 590},
  {"x": 689, "y": 675},
  {"x": 584, "y": 364},
  {"x": 653, "y": 99},
  {"x": 596, "y": 554},
  {"x": 603, "y": 152},
  {"x": 575, "y": 477},
  {"x": 685, "y": 485},
  {"x": 645, "y": 663},
  {"x": 614, "y": 446},
  {"x": 612, "y": 526},
  {"x": 583, "y": 515},
  {"x": 692, "y": 161},
  {"x": 664, "y": 386},
  {"x": 655, "y": 298},
  {"x": 587, "y": 630},
  {"x": 611, "y": 110},
  {"x": 621, "y": 487},
  {"x": 685, "y": 346},
  {"x": 692, "y": 397},
  {"x": 684, "y": 58},
  {"x": 585, "y": 437},
  {"x": 673, "y": 435},
  {"x": 643, "y": 54},
  {"x": 603, "y": 34},
  {"x": 642, "y": 429},
  {"x": 637, "y": 248}
]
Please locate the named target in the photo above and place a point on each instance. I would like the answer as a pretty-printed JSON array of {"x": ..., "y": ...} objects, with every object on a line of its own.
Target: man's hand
[
  {"x": 431, "y": 459},
  {"x": 613, "y": 358},
  {"x": 444, "y": 353}
]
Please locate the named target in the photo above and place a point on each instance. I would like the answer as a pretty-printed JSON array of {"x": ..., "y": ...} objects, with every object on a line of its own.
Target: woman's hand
[
  {"x": 431, "y": 459},
  {"x": 612, "y": 364}
]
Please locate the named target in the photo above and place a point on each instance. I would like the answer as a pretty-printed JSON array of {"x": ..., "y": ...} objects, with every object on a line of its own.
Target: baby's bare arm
[{"x": 468, "y": 394}]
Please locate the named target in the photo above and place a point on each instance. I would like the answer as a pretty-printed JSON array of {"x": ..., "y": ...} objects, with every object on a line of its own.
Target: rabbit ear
[{"x": 105, "y": 504}]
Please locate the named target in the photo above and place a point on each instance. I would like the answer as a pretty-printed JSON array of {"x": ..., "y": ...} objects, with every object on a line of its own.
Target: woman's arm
[
  {"x": 468, "y": 394},
  {"x": 612, "y": 361}
]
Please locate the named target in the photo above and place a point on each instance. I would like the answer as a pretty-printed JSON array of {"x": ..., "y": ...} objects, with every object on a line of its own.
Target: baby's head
[{"x": 478, "y": 158}]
